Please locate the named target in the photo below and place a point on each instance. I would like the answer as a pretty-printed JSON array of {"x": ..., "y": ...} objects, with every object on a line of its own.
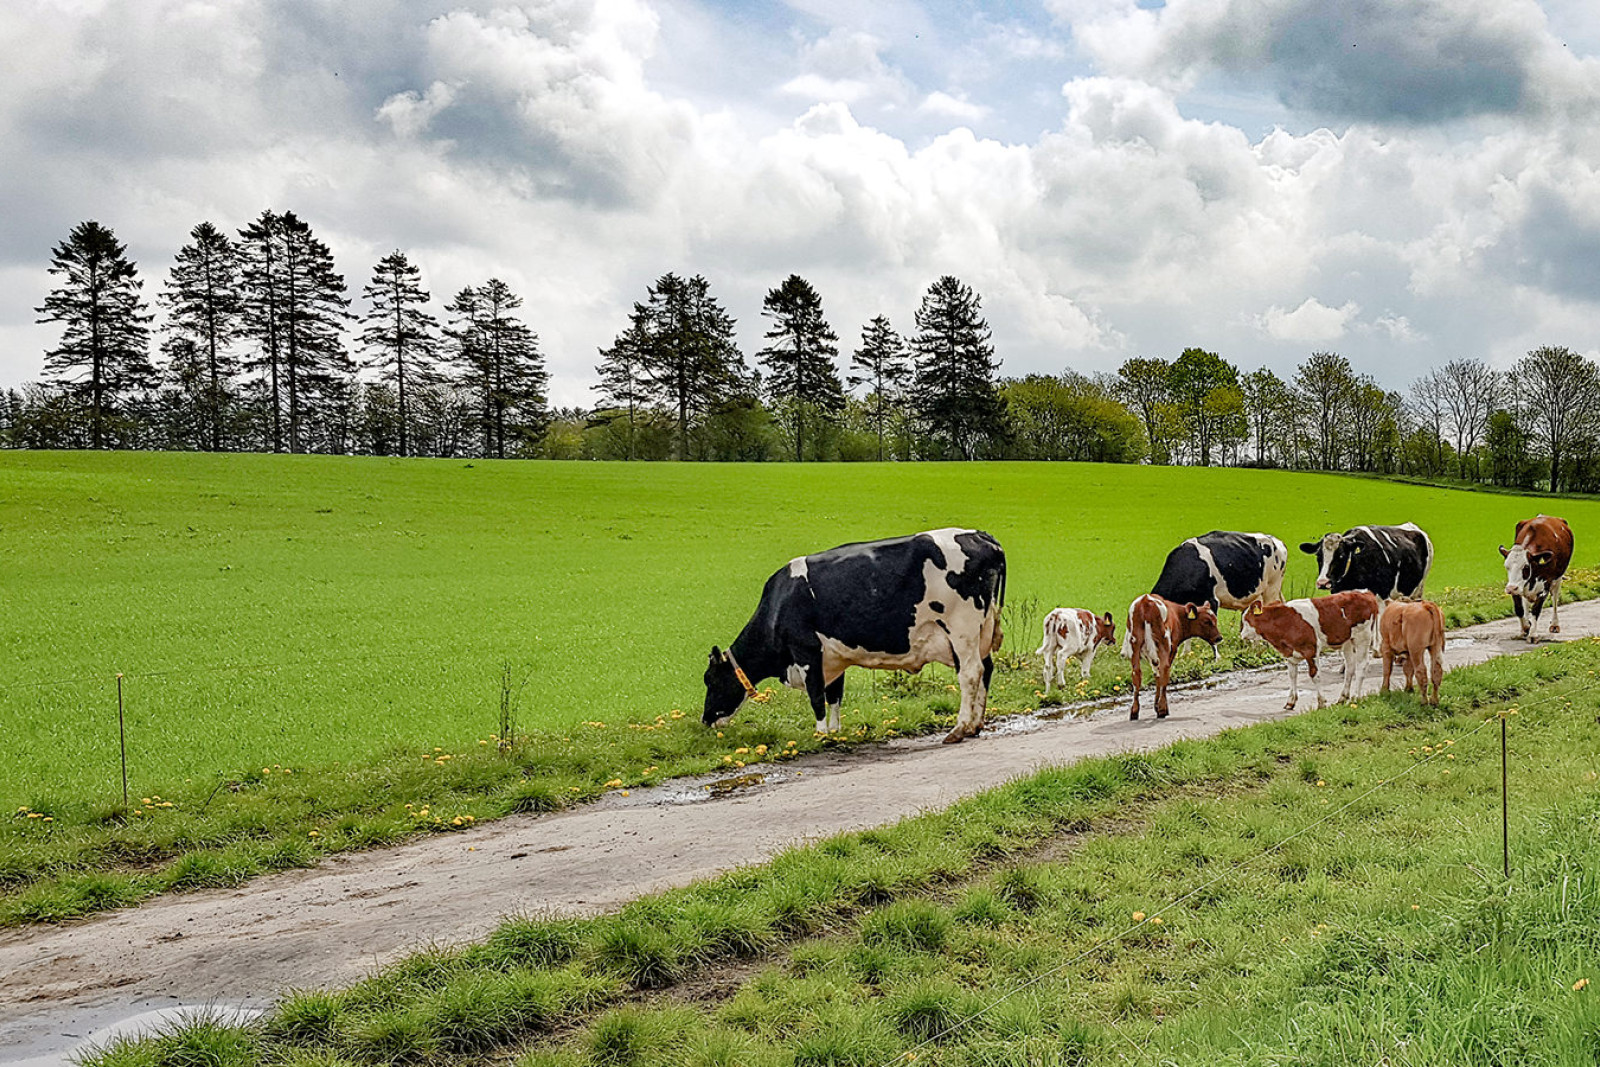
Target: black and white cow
[
  {"x": 1391, "y": 562},
  {"x": 897, "y": 604},
  {"x": 1225, "y": 569}
]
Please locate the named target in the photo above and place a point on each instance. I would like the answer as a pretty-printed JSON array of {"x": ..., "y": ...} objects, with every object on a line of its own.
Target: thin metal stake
[
  {"x": 122, "y": 734},
  {"x": 1505, "y": 803}
]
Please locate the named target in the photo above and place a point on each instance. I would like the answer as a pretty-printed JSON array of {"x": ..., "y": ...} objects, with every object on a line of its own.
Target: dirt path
[{"x": 334, "y": 923}]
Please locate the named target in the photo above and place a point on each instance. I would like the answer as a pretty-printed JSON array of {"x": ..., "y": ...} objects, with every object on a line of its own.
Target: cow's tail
[{"x": 999, "y": 608}]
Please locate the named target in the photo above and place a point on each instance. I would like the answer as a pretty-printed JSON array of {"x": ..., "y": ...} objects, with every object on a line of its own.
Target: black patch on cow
[
  {"x": 1240, "y": 559},
  {"x": 936, "y": 605},
  {"x": 1384, "y": 560},
  {"x": 982, "y": 580}
]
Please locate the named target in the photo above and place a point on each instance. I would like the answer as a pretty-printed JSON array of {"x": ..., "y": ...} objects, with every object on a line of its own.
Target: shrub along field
[
  {"x": 309, "y": 644},
  {"x": 1321, "y": 890}
]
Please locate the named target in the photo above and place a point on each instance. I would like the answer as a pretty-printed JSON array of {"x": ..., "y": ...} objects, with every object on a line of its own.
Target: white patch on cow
[
  {"x": 797, "y": 567},
  {"x": 835, "y": 720},
  {"x": 795, "y": 676},
  {"x": 1330, "y": 545},
  {"x": 955, "y": 559}
]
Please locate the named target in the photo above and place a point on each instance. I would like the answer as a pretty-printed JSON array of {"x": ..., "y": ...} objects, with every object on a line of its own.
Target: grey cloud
[
  {"x": 1416, "y": 62},
  {"x": 1552, "y": 248}
]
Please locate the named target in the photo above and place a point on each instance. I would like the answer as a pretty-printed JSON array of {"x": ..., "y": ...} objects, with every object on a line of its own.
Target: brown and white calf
[
  {"x": 1535, "y": 564},
  {"x": 1300, "y": 629},
  {"x": 1405, "y": 632},
  {"x": 1157, "y": 627},
  {"x": 1073, "y": 633}
]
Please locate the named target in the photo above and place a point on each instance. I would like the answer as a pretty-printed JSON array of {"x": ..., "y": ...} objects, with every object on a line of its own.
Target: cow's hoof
[
  {"x": 1289, "y": 706},
  {"x": 1555, "y": 629},
  {"x": 954, "y": 737},
  {"x": 1161, "y": 714},
  {"x": 1133, "y": 716}
]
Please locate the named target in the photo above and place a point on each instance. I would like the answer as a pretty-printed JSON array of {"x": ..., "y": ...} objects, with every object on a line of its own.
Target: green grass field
[{"x": 296, "y": 631}]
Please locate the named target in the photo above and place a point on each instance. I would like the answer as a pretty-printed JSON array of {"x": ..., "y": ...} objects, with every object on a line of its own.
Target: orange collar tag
[{"x": 738, "y": 672}]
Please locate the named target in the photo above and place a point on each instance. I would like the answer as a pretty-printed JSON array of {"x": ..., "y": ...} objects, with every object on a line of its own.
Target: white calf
[{"x": 1072, "y": 633}]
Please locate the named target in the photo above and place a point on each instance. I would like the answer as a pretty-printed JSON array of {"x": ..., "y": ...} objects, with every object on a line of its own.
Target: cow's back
[{"x": 1547, "y": 533}]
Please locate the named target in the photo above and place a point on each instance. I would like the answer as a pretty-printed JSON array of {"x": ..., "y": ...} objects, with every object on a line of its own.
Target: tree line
[{"x": 255, "y": 353}]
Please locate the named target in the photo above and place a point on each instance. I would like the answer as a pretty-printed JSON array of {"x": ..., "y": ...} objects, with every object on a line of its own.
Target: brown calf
[
  {"x": 1300, "y": 629},
  {"x": 1535, "y": 565},
  {"x": 1156, "y": 628},
  {"x": 1409, "y": 630}
]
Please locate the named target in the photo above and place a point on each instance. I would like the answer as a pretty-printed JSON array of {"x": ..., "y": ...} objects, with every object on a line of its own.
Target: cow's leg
[
  {"x": 983, "y": 694},
  {"x": 1555, "y": 606},
  {"x": 1533, "y": 627},
  {"x": 970, "y": 673},
  {"x": 1316, "y": 682},
  {"x": 1049, "y": 669},
  {"x": 1163, "y": 673},
  {"x": 833, "y": 693},
  {"x": 1086, "y": 660},
  {"x": 1137, "y": 681},
  {"x": 1388, "y": 666},
  {"x": 816, "y": 690},
  {"x": 1516, "y": 605},
  {"x": 1294, "y": 683},
  {"x": 1360, "y": 644},
  {"x": 1435, "y": 654}
]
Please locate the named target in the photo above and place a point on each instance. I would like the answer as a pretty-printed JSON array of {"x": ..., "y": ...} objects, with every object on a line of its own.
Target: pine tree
[
  {"x": 500, "y": 362},
  {"x": 885, "y": 368},
  {"x": 399, "y": 335},
  {"x": 689, "y": 360},
  {"x": 261, "y": 280},
  {"x": 104, "y": 351},
  {"x": 801, "y": 377},
  {"x": 295, "y": 311},
  {"x": 954, "y": 395},
  {"x": 204, "y": 304},
  {"x": 621, "y": 378}
]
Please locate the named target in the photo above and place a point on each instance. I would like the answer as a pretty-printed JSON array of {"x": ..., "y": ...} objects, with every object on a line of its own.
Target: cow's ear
[
  {"x": 1544, "y": 557},
  {"x": 1310, "y": 547},
  {"x": 1504, "y": 551},
  {"x": 1357, "y": 550},
  {"x": 716, "y": 653},
  {"x": 1108, "y": 619},
  {"x": 1255, "y": 609},
  {"x": 1194, "y": 612}
]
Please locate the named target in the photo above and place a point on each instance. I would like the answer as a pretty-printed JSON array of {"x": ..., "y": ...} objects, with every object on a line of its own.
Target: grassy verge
[
  {"x": 63, "y": 860},
  {"x": 1338, "y": 902}
]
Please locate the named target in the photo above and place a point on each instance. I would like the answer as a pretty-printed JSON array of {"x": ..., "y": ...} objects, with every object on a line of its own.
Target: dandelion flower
[
  {"x": 1138, "y": 916},
  {"x": 1155, "y": 920},
  {"x": 1581, "y": 983}
]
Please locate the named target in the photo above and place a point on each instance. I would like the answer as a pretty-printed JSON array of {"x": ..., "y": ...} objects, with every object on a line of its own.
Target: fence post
[
  {"x": 1505, "y": 801},
  {"x": 122, "y": 738}
]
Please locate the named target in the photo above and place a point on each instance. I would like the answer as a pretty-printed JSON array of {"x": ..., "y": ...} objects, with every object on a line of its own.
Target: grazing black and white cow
[
  {"x": 897, "y": 604},
  {"x": 1225, "y": 569},
  {"x": 1391, "y": 562}
]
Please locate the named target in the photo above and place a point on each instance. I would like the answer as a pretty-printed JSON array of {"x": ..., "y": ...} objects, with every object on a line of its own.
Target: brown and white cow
[
  {"x": 1535, "y": 564},
  {"x": 1405, "y": 632},
  {"x": 1073, "y": 633},
  {"x": 1157, "y": 627},
  {"x": 1300, "y": 629}
]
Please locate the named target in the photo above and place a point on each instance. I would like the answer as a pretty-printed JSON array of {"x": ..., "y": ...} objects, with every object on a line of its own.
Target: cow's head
[
  {"x": 1520, "y": 564},
  {"x": 1105, "y": 629},
  {"x": 724, "y": 692},
  {"x": 1200, "y": 620},
  {"x": 1247, "y": 625},
  {"x": 1334, "y": 555}
]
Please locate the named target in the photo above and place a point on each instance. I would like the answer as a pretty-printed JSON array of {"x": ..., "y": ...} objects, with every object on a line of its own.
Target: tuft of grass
[
  {"x": 642, "y": 955},
  {"x": 916, "y": 925}
]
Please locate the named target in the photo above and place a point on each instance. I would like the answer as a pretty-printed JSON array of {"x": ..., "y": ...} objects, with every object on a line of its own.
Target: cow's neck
[{"x": 757, "y": 656}]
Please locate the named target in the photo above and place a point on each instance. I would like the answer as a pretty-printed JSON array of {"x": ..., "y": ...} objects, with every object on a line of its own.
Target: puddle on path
[{"x": 72, "y": 1038}]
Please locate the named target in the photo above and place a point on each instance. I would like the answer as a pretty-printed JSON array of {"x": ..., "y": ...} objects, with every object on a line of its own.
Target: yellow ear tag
[{"x": 1191, "y": 613}]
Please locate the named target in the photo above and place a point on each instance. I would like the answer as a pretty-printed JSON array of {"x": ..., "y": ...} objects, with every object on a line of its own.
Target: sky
[{"x": 1404, "y": 182}]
